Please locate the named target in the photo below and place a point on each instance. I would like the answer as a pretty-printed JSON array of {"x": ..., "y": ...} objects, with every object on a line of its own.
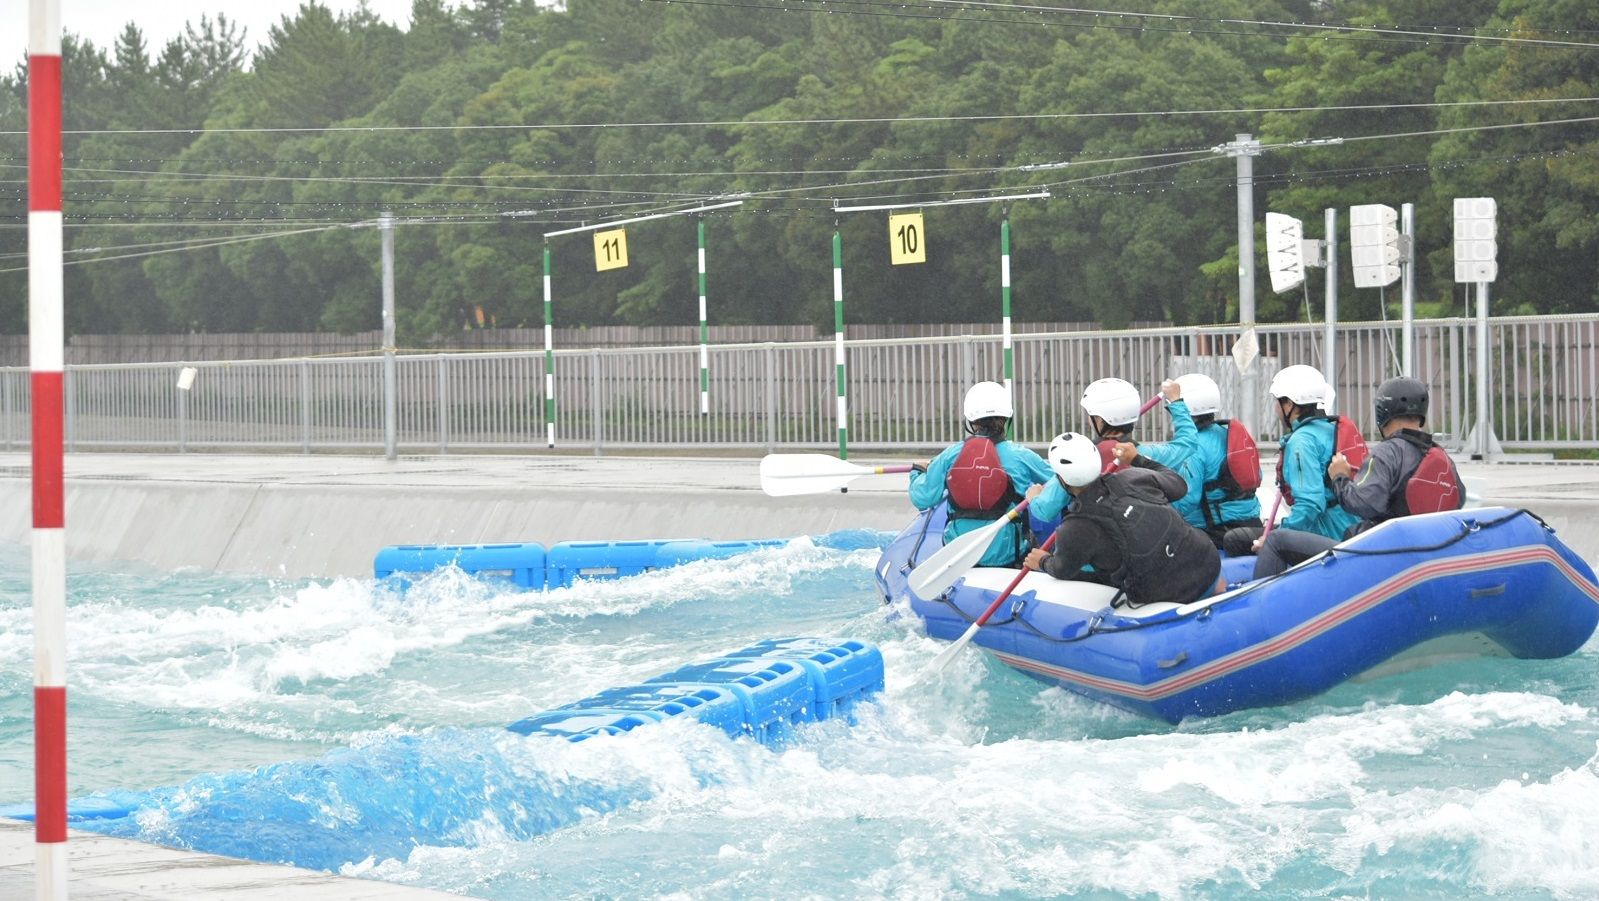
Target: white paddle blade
[
  {"x": 783, "y": 475},
  {"x": 938, "y": 572},
  {"x": 950, "y": 653}
]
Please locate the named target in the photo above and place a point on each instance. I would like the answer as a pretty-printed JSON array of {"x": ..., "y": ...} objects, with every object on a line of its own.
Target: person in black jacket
[
  {"x": 1382, "y": 489},
  {"x": 1121, "y": 529}
]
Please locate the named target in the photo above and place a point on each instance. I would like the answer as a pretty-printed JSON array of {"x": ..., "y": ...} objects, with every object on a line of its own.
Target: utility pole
[
  {"x": 390, "y": 381},
  {"x": 1245, "y": 148}
]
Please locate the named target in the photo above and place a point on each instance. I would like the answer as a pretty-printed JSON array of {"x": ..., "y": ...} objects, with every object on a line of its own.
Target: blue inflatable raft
[{"x": 1487, "y": 580}]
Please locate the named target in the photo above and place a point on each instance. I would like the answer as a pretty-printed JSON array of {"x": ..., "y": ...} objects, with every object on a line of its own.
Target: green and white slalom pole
[
  {"x": 705, "y": 333},
  {"x": 1004, "y": 295},
  {"x": 549, "y": 353},
  {"x": 838, "y": 345}
]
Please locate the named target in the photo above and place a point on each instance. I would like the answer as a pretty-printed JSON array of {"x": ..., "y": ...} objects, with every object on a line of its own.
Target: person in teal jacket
[
  {"x": 988, "y": 412},
  {"x": 1112, "y": 406},
  {"x": 1301, "y": 393},
  {"x": 1212, "y": 512}
]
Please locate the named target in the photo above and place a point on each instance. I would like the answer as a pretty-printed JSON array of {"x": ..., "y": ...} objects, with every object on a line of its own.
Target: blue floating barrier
[
  {"x": 572, "y": 560},
  {"x": 78, "y": 810},
  {"x": 521, "y": 564},
  {"x": 763, "y": 692},
  {"x": 777, "y": 694},
  {"x": 618, "y": 710},
  {"x": 841, "y": 672}
]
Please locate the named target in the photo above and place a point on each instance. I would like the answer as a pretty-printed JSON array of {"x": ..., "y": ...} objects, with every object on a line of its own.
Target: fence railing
[{"x": 902, "y": 393}]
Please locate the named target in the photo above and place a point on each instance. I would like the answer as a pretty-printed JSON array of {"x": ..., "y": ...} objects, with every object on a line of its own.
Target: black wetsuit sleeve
[
  {"x": 1078, "y": 543},
  {"x": 1371, "y": 490}
]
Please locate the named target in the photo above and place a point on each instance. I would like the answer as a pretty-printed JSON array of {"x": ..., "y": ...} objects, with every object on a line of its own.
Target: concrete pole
[
  {"x": 390, "y": 382},
  {"x": 1329, "y": 356},
  {"x": 1407, "y": 284},
  {"x": 1245, "y": 148}
]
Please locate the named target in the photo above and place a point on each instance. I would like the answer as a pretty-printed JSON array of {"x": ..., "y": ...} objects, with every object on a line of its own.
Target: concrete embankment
[{"x": 323, "y": 516}]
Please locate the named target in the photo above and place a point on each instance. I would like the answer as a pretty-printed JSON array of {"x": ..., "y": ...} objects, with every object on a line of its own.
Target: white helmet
[
  {"x": 986, "y": 399},
  {"x": 1301, "y": 384},
  {"x": 1112, "y": 400},
  {"x": 1075, "y": 458},
  {"x": 1201, "y": 393}
]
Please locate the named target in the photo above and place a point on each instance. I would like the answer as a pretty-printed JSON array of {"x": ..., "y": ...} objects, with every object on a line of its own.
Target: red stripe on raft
[
  {"x": 49, "y": 507},
  {"x": 50, "y": 764},
  {"x": 44, "y": 134},
  {"x": 1336, "y": 616}
]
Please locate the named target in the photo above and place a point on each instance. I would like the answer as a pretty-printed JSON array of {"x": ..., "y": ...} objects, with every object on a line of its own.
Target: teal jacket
[
  {"x": 1306, "y": 451},
  {"x": 1171, "y": 454},
  {"x": 1025, "y": 468},
  {"x": 1205, "y": 466}
]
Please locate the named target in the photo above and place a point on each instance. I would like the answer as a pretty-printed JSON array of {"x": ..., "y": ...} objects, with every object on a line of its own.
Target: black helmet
[{"x": 1401, "y": 397}]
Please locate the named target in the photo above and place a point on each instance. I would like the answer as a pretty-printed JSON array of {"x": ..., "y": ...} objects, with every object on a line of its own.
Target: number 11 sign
[{"x": 610, "y": 249}]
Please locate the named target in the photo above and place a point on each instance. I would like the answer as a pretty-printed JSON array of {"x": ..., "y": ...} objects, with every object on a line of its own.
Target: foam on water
[{"x": 346, "y": 726}]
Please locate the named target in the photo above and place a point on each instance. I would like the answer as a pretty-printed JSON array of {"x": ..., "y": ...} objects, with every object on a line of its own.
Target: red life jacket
[
  {"x": 1433, "y": 487},
  {"x": 1239, "y": 475},
  {"x": 979, "y": 487},
  {"x": 1107, "y": 456},
  {"x": 1347, "y": 440}
]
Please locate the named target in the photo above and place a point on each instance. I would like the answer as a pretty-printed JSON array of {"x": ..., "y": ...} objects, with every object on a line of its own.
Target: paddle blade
[
  {"x": 950, "y": 653},
  {"x": 783, "y": 475},
  {"x": 938, "y": 572}
]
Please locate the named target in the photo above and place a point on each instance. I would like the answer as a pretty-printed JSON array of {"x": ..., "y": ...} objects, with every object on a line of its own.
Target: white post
[
  {"x": 390, "y": 380},
  {"x": 1245, "y": 148},
  {"x": 1329, "y": 357},
  {"x": 1407, "y": 283},
  {"x": 1485, "y": 436}
]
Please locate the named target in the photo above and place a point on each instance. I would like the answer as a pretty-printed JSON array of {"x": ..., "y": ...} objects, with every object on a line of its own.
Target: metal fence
[{"x": 903, "y": 393}]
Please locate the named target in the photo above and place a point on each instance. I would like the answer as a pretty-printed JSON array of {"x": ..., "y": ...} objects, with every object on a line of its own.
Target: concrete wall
[{"x": 298, "y": 516}]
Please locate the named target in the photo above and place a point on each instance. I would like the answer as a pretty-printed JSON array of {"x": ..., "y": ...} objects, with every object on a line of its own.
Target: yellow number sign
[
  {"x": 906, "y": 239},
  {"x": 610, "y": 249}
]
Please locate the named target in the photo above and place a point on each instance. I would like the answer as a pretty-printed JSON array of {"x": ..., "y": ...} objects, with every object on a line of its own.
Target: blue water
[{"x": 342, "y": 726}]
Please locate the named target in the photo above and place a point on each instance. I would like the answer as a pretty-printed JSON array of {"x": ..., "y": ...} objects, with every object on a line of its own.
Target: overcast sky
[{"x": 161, "y": 20}]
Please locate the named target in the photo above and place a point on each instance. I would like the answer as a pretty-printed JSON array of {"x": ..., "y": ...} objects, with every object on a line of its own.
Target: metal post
[
  {"x": 390, "y": 381},
  {"x": 183, "y": 421},
  {"x": 1484, "y": 436},
  {"x": 769, "y": 354},
  {"x": 305, "y": 406},
  {"x": 444, "y": 410},
  {"x": 838, "y": 345},
  {"x": 1004, "y": 301},
  {"x": 705, "y": 333},
  {"x": 5, "y": 408},
  {"x": 594, "y": 395},
  {"x": 1244, "y": 148},
  {"x": 1329, "y": 357},
  {"x": 549, "y": 353},
  {"x": 1407, "y": 283}
]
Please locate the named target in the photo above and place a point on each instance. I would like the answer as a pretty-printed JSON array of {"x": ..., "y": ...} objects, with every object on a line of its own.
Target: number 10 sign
[{"x": 906, "y": 242}]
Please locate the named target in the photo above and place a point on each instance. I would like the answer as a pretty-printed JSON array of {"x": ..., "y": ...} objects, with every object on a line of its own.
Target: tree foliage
[{"x": 485, "y": 124}]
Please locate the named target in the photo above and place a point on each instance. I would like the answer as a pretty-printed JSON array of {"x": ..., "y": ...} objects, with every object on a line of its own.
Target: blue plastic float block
[
  {"x": 619, "y": 710},
  {"x": 841, "y": 672},
  {"x": 673, "y": 553},
  {"x": 573, "y": 560},
  {"x": 522, "y": 564},
  {"x": 777, "y": 694},
  {"x": 78, "y": 810}
]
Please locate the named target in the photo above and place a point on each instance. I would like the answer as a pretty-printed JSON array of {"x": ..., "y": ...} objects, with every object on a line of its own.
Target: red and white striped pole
[{"x": 47, "y": 360}]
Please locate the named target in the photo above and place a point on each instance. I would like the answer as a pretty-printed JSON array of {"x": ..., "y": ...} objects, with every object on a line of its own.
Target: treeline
[{"x": 481, "y": 126}]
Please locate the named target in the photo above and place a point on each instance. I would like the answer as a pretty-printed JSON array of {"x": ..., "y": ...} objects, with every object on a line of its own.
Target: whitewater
[{"x": 351, "y": 726}]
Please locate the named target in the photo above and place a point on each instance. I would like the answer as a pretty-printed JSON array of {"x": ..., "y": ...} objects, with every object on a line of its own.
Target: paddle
[
  {"x": 948, "y": 654},
  {"x": 788, "y": 474},
  {"x": 937, "y": 573}
]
